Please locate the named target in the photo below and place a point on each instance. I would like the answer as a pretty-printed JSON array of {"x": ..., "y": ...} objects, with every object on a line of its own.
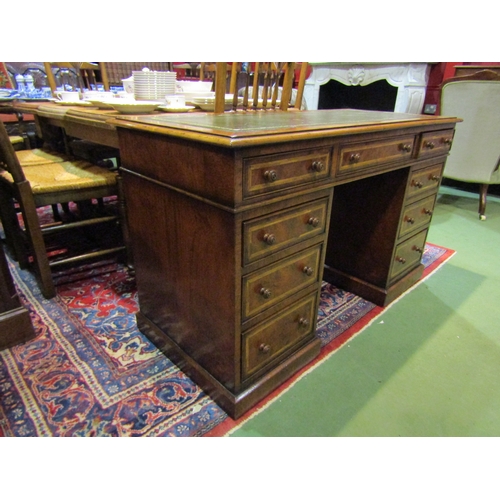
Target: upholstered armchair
[{"x": 475, "y": 153}]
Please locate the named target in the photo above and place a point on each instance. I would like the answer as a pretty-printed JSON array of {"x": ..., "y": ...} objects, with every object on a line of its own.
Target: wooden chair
[
  {"x": 475, "y": 153},
  {"x": 85, "y": 73},
  {"x": 90, "y": 232},
  {"x": 270, "y": 82}
]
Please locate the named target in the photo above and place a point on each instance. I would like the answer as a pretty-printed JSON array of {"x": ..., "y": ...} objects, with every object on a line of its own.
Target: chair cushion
[
  {"x": 16, "y": 139},
  {"x": 31, "y": 157},
  {"x": 65, "y": 176}
]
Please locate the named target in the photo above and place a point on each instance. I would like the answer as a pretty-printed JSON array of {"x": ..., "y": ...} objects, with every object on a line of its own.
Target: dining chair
[
  {"x": 266, "y": 85},
  {"x": 84, "y": 74},
  {"x": 90, "y": 232},
  {"x": 475, "y": 153}
]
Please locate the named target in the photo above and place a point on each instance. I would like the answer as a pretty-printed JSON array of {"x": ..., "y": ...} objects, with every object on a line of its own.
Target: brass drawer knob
[
  {"x": 418, "y": 249},
  {"x": 303, "y": 322},
  {"x": 417, "y": 184},
  {"x": 401, "y": 260},
  {"x": 269, "y": 238},
  {"x": 447, "y": 141},
  {"x": 427, "y": 211},
  {"x": 265, "y": 292},
  {"x": 313, "y": 221},
  {"x": 318, "y": 166},
  {"x": 406, "y": 147},
  {"x": 354, "y": 158},
  {"x": 429, "y": 145},
  {"x": 265, "y": 348},
  {"x": 410, "y": 220},
  {"x": 434, "y": 178},
  {"x": 270, "y": 175},
  {"x": 307, "y": 270}
]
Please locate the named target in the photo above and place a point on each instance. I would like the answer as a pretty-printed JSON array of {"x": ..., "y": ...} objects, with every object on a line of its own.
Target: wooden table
[{"x": 236, "y": 219}]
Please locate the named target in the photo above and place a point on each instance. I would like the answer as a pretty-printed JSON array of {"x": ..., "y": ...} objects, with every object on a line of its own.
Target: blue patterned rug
[{"x": 91, "y": 372}]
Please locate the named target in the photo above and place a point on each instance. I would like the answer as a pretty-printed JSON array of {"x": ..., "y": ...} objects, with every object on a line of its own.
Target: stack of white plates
[{"x": 153, "y": 85}]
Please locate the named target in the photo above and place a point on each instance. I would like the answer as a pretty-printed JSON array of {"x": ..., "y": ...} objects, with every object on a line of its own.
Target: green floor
[{"x": 430, "y": 365}]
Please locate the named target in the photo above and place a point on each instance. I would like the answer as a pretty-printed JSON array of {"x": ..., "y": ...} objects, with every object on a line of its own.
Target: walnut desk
[{"x": 236, "y": 218}]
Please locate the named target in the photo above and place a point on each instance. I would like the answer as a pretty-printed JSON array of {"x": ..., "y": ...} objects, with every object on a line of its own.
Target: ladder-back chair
[
  {"x": 266, "y": 85},
  {"x": 90, "y": 231}
]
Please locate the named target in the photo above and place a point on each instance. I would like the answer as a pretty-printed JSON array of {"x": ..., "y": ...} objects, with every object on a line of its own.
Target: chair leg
[
  {"x": 13, "y": 232},
  {"x": 32, "y": 225},
  {"x": 483, "y": 190}
]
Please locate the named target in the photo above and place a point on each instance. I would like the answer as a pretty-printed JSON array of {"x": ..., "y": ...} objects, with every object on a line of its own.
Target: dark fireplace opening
[{"x": 377, "y": 96}]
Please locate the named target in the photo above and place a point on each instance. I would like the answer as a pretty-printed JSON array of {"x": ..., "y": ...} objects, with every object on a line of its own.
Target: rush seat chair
[{"x": 90, "y": 233}]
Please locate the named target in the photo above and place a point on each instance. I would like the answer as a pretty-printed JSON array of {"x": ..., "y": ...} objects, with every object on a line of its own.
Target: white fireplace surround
[{"x": 409, "y": 78}]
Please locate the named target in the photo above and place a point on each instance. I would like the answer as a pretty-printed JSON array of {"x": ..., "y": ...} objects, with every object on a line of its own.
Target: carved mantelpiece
[{"x": 409, "y": 78}]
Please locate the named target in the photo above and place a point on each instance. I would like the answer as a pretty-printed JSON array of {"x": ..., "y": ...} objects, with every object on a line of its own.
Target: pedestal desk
[{"x": 236, "y": 218}]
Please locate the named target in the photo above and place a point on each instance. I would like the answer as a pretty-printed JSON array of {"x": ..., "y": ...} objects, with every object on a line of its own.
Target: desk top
[{"x": 240, "y": 129}]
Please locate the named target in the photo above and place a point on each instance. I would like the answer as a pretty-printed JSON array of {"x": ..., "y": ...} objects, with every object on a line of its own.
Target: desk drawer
[
  {"x": 266, "y": 235},
  {"x": 280, "y": 171},
  {"x": 266, "y": 342},
  {"x": 273, "y": 283},
  {"x": 364, "y": 155},
  {"x": 424, "y": 181},
  {"x": 435, "y": 143},
  {"x": 417, "y": 215},
  {"x": 408, "y": 254}
]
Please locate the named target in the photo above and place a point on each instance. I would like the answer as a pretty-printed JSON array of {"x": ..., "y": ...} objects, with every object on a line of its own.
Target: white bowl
[
  {"x": 134, "y": 107},
  {"x": 101, "y": 104},
  {"x": 193, "y": 86}
]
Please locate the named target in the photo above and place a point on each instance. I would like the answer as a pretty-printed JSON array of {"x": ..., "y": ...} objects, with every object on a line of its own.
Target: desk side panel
[{"x": 184, "y": 256}]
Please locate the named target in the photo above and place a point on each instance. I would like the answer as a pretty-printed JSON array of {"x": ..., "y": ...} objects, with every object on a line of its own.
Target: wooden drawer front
[
  {"x": 435, "y": 143},
  {"x": 269, "y": 234},
  {"x": 417, "y": 215},
  {"x": 408, "y": 254},
  {"x": 424, "y": 181},
  {"x": 274, "y": 172},
  {"x": 271, "y": 284},
  {"x": 364, "y": 155},
  {"x": 268, "y": 341}
]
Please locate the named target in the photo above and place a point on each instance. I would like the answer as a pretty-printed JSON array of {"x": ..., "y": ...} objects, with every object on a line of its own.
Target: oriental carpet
[{"x": 91, "y": 372}]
